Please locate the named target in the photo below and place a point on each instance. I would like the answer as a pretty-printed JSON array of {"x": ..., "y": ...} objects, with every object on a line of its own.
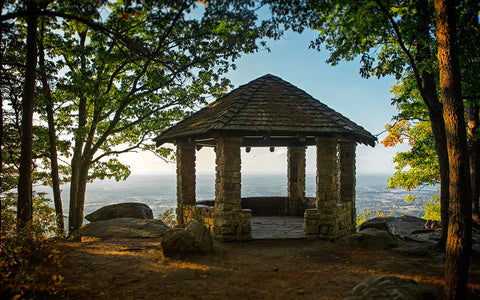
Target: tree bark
[
  {"x": 473, "y": 122},
  {"x": 78, "y": 189},
  {"x": 1, "y": 114},
  {"x": 57, "y": 198},
  {"x": 474, "y": 154},
  {"x": 75, "y": 215},
  {"x": 25, "y": 203},
  {"x": 428, "y": 90},
  {"x": 459, "y": 232}
]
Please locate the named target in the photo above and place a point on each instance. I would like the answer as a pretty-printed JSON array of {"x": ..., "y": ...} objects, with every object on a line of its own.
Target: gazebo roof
[{"x": 267, "y": 111}]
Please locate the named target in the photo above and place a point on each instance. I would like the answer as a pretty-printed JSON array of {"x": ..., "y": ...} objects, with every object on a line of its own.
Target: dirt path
[{"x": 262, "y": 269}]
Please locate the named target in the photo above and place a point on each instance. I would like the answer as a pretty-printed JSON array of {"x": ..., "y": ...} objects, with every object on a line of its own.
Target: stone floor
[{"x": 277, "y": 227}]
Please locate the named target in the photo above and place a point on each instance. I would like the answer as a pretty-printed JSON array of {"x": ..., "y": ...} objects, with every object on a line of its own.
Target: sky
[{"x": 364, "y": 101}]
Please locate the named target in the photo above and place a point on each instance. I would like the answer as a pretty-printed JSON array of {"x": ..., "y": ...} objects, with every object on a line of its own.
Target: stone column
[
  {"x": 230, "y": 221},
  {"x": 228, "y": 176},
  {"x": 347, "y": 184},
  {"x": 347, "y": 172},
  {"x": 185, "y": 177},
  {"x": 321, "y": 222},
  {"x": 327, "y": 171},
  {"x": 296, "y": 179}
]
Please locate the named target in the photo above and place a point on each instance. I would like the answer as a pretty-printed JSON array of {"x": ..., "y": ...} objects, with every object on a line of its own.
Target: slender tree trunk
[
  {"x": 74, "y": 183},
  {"x": 438, "y": 130},
  {"x": 474, "y": 158},
  {"x": 57, "y": 199},
  {"x": 25, "y": 204},
  {"x": 434, "y": 106},
  {"x": 459, "y": 232},
  {"x": 473, "y": 123},
  {"x": 77, "y": 191},
  {"x": 1, "y": 117},
  {"x": 75, "y": 217}
]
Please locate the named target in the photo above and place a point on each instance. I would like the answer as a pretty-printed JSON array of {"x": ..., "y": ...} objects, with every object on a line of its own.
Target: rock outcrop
[
  {"x": 190, "y": 238},
  {"x": 121, "y": 210},
  {"x": 398, "y": 226},
  {"x": 124, "y": 228},
  {"x": 371, "y": 238},
  {"x": 389, "y": 287}
]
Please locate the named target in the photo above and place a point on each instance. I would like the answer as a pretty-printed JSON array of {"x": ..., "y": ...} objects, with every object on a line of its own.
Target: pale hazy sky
[{"x": 364, "y": 101}]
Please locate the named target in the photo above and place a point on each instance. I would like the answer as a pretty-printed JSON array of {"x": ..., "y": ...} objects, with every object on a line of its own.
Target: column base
[{"x": 232, "y": 226}]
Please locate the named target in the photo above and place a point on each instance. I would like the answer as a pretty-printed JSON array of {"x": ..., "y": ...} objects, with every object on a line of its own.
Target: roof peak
[{"x": 267, "y": 105}]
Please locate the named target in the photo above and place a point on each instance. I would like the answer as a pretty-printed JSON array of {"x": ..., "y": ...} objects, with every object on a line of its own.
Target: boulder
[
  {"x": 398, "y": 226},
  {"x": 121, "y": 210},
  {"x": 371, "y": 238},
  {"x": 124, "y": 228},
  {"x": 389, "y": 287},
  {"x": 190, "y": 238}
]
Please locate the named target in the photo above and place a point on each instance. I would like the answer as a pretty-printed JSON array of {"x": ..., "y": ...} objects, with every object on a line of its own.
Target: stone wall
[
  {"x": 265, "y": 206},
  {"x": 320, "y": 225},
  {"x": 224, "y": 226}
]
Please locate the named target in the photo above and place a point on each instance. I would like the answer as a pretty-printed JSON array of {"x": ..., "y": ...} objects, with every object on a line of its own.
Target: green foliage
[
  {"x": 419, "y": 165},
  {"x": 366, "y": 215},
  {"x": 432, "y": 208},
  {"x": 168, "y": 217},
  {"x": 43, "y": 223}
]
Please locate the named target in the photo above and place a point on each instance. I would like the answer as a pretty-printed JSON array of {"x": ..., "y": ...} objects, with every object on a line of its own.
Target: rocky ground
[{"x": 119, "y": 268}]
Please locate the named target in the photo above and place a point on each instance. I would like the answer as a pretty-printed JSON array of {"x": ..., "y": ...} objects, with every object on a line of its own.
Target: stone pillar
[
  {"x": 228, "y": 176},
  {"x": 296, "y": 179},
  {"x": 321, "y": 222},
  {"x": 230, "y": 221},
  {"x": 327, "y": 172},
  {"x": 347, "y": 183},
  {"x": 347, "y": 172},
  {"x": 185, "y": 177}
]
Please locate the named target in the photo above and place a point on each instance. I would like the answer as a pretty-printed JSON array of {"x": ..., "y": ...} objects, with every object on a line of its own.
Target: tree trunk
[
  {"x": 78, "y": 189},
  {"x": 473, "y": 125},
  {"x": 474, "y": 154},
  {"x": 57, "y": 198},
  {"x": 429, "y": 94},
  {"x": 439, "y": 134},
  {"x": 459, "y": 232},
  {"x": 1, "y": 115},
  {"x": 75, "y": 217},
  {"x": 74, "y": 183},
  {"x": 438, "y": 130},
  {"x": 25, "y": 204}
]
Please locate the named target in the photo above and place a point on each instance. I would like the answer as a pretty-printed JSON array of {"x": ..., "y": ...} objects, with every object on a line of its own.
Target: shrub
[
  {"x": 168, "y": 217},
  {"x": 432, "y": 208},
  {"x": 44, "y": 222},
  {"x": 368, "y": 214},
  {"x": 28, "y": 265},
  {"x": 28, "y": 262}
]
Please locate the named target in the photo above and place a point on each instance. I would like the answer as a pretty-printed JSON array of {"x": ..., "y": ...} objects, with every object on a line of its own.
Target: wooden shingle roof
[{"x": 267, "y": 111}]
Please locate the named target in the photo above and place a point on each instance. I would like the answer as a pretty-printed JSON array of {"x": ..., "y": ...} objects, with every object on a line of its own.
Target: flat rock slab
[
  {"x": 398, "y": 226},
  {"x": 277, "y": 227},
  {"x": 387, "y": 288},
  {"x": 371, "y": 238},
  {"x": 121, "y": 210},
  {"x": 124, "y": 228}
]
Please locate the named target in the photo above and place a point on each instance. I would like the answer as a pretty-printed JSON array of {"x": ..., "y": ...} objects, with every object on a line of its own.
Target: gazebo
[{"x": 269, "y": 112}]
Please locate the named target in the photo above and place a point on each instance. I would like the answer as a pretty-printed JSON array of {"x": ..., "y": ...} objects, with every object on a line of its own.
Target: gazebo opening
[{"x": 269, "y": 112}]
